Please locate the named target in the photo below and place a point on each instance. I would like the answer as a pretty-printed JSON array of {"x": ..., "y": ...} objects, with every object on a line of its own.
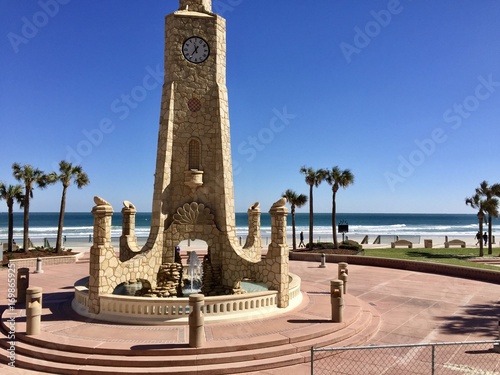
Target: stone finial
[
  {"x": 101, "y": 202},
  {"x": 279, "y": 203},
  {"x": 196, "y": 5},
  {"x": 128, "y": 204},
  {"x": 254, "y": 206}
]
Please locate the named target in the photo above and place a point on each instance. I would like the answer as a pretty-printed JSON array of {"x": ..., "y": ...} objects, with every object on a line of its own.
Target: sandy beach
[{"x": 83, "y": 245}]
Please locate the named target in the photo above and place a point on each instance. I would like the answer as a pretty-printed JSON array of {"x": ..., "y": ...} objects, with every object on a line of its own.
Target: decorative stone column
[
  {"x": 128, "y": 239},
  {"x": 196, "y": 321},
  {"x": 254, "y": 240},
  {"x": 337, "y": 300},
  {"x": 277, "y": 255},
  {"x": 98, "y": 253},
  {"x": 342, "y": 267},
  {"x": 33, "y": 310}
]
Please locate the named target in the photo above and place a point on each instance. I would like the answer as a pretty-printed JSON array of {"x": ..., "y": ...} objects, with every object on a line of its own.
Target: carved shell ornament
[
  {"x": 128, "y": 204},
  {"x": 279, "y": 203},
  {"x": 254, "y": 206},
  {"x": 193, "y": 213},
  {"x": 101, "y": 202}
]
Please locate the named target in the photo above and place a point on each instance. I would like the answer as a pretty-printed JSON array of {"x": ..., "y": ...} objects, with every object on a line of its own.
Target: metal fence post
[
  {"x": 312, "y": 360},
  {"x": 496, "y": 347},
  {"x": 433, "y": 356}
]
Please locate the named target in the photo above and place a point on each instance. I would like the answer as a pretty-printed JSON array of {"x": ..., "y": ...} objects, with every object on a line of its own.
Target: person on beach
[
  {"x": 478, "y": 238},
  {"x": 301, "y": 243},
  {"x": 485, "y": 237}
]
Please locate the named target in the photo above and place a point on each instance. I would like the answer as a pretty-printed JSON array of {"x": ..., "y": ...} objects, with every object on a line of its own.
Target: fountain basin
[
  {"x": 253, "y": 287},
  {"x": 165, "y": 311}
]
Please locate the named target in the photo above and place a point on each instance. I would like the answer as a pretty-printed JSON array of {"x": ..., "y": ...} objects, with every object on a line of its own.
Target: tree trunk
[
  {"x": 334, "y": 220},
  {"x": 26, "y": 219},
  {"x": 11, "y": 226},
  {"x": 490, "y": 238},
  {"x": 294, "y": 242},
  {"x": 311, "y": 217},
  {"x": 481, "y": 250},
  {"x": 61, "y": 222}
]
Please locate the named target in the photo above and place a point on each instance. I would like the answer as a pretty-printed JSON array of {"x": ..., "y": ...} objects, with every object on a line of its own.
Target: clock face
[{"x": 195, "y": 49}]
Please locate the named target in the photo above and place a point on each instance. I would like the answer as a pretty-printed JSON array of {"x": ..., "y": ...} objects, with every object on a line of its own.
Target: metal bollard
[
  {"x": 196, "y": 321},
  {"x": 343, "y": 277},
  {"x": 342, "y": 267},
  {"x": 33, "y": 310},
  {"x": 323, "y": 261},
  {"x": 23, "y": 283},
  {"x": 337, "y": 300},
  {"x": 38, "y": 265}
]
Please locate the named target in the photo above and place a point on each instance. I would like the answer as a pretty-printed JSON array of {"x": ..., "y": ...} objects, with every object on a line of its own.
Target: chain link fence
[{"x": 450, "y": 358}]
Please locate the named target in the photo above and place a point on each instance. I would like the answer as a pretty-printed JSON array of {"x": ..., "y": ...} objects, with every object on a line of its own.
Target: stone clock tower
[
  {"x": 193, "y": 192},
  {"x": 194, "y": 182}
]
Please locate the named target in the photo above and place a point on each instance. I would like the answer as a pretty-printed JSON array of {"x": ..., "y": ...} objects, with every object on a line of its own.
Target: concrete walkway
[{"x": 414, "y": 307}]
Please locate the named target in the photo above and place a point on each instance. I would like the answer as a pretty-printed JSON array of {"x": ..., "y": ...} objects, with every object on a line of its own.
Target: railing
[
  {"x": 141, "y": 310},
  {"x": 475, "y": 357}
]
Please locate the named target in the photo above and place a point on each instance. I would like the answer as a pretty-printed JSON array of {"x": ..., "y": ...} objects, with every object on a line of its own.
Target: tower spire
[{"x": 196, "y": 5}]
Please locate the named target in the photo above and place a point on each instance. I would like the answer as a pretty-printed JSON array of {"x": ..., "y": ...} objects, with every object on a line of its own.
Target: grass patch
[{"x": 452, "y": 256}]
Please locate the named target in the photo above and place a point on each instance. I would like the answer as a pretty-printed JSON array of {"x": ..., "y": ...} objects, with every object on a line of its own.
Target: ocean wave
[{"x": 319, "y": 231}]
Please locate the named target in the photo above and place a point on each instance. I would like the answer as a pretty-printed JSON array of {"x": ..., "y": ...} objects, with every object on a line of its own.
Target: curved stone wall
[{"x": 490, "y": 276}]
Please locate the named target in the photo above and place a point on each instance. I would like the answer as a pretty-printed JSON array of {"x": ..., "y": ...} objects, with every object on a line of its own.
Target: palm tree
[
  {"x": 80, "y": 178},
  {"x": 482, "y": 205},
  {"x": 313, "y": 178},
  {"x": 295, "y": 201},
  {"x": 337, "y": 178},
  {"x": 489, "y": 192},
  {"x": 11, "y": 194},
  {"x": 30, "y": 177}
]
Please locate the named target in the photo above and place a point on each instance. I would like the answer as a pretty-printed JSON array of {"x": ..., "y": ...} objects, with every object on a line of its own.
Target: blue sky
[{"x": 404, "y": 93}]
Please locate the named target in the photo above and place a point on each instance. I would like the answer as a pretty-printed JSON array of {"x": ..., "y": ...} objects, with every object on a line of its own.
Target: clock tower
[
  {"x": 193, "y": 190},
  {"x": 194, "y": 181}
]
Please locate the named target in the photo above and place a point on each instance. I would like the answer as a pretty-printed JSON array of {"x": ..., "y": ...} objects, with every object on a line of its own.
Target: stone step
[
  {"x": 193, "y": 367},
  {"x": 76, "y": 358},
  {"x": 322, "y": 327},
  {"x": 43, "y": 366},
  {"x": 275, "y": 351}
]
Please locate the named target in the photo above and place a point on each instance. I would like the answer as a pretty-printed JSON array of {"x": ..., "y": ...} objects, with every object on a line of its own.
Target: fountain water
[{"x": 195, "y": 272}]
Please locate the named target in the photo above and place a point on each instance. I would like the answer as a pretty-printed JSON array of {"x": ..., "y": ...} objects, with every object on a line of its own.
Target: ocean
[{"x": 78, "y": 226}]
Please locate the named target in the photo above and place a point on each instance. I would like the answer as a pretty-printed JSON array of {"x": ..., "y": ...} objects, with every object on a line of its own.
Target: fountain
[{"x": 195, "y": 273}]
